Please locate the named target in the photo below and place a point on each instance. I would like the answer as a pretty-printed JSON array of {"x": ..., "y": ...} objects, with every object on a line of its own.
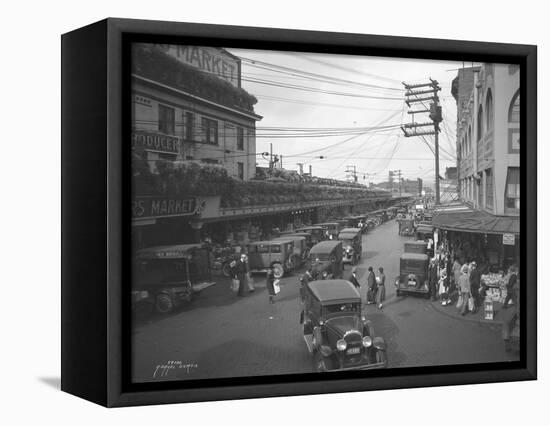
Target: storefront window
[
  {"x": 166, "y": 120},
  {"x": 489, "y": 188},
  {"x": 512, "y": 190}
]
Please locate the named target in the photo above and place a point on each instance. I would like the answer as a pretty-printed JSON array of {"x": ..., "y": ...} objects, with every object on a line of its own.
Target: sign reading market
[
  {"x": 155, "y": 142},
  {"x": 155, "y": 207},
  {"x": 208, "y": 59}
]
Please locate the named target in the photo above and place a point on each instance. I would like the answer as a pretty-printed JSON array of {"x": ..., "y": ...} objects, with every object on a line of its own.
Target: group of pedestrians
[{"x": 376, "y": 286}]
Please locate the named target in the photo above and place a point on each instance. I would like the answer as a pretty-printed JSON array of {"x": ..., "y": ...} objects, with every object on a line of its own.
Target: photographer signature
[{"x": 162, "y": 370}]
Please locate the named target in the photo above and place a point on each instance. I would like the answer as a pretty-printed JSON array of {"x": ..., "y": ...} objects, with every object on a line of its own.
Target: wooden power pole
[{"x": 412, "y": 96}]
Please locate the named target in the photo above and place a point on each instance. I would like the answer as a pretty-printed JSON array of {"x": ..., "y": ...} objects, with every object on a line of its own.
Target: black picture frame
[{"x": 95, "y": 211}]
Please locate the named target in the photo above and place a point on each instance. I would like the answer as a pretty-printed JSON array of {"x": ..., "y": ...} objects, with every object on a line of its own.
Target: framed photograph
[{"x": 255, "y": 212}]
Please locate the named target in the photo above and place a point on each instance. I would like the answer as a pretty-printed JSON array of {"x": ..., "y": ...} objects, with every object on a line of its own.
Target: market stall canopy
[{"x": 462, "y": 218}]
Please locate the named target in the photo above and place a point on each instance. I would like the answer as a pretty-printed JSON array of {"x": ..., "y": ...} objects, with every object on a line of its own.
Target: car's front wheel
[
  {"x": 164, "y": 303},
  {"x": 278, "y": 270}
]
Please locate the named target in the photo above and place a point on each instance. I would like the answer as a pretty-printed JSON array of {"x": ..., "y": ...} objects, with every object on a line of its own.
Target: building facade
[
  {"x": 488, "y": 137},
  {"x": 483, "y": 225},
  {"x": 188, "y": 106}
]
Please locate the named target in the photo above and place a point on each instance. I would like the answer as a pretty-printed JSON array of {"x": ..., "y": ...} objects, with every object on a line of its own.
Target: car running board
[{"x": 202, "y": 286}]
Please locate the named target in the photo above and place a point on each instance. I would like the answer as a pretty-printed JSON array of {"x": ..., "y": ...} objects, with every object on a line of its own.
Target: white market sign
[
  {"x": 208, "y": 59},
  {"x": 508, "y": 239}
]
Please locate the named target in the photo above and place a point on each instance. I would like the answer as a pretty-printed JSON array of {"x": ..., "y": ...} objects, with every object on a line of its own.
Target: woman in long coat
[{"x": 381, "y": 290}]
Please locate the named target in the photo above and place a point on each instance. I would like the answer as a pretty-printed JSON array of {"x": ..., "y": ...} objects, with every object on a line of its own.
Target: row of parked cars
[{"x": 163, "y": 277}]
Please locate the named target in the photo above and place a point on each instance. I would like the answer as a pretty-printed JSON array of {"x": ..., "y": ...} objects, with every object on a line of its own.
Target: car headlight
[
  {"x": 341, "y": 345},
  {"x": 367, "y": 341}
]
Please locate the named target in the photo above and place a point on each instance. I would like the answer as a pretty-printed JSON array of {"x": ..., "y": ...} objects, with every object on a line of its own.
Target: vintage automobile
[
  {"x": 406, "y": 227},
  {"x": 317, "y": 233},
  {"x": 166, "y": 276},
  {"x": 424, "y": 231},
  {"x": 307, "y": 236},
  {"x": 276, "y": 253},
  {"x": 391, "y": 212},
  {"x": 301, "y": 250},
  {"x": 336, "y": 333},
  {"x": 413, "y": 274},
  {"x": 325, "y": 260},
  {"x": 415, "y": 247},
  {"x": 352, "y": 244},
  {"x": 332, "y": 229}
]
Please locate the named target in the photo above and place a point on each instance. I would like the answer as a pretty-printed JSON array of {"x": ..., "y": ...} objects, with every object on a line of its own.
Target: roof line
[{"x": 181, "y": 92}]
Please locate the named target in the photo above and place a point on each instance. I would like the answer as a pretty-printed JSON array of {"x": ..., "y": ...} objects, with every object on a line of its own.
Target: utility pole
[
  {"x": 410, "y": 129},
  {"x": 390, "y": 180},
  {"x": 270, "y": 158},
  {"x": 353, "y": 171}
]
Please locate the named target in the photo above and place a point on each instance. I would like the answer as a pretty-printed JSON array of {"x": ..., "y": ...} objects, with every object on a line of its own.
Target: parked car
[
  {"x": 301, "y": 249},
  {"x": 406, "y": 227},
  {"x": 307, "y": 236},
  {"x": 413, "y": 274},
  {"x": 336, "y": 333},
  {"x": 317, "y": 233},
  {"x": 332, "y": 229},
  {"x": 352, "y": 244},
  {"x": 416, "y": 247},
  {"x": 276, "y": 253},
  {"x": 166, "y": 276},
  {"x": 424, "y": 231},
  {"x": 325, "y": 260}
]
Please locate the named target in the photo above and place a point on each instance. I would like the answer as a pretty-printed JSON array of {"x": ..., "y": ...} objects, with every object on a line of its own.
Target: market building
[
  {"x": 483, "y": 225},
  {"x": 188, "y": 105},
  {"x": 194, "y": 156}
]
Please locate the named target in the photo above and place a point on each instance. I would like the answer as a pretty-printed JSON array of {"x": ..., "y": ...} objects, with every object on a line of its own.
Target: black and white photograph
[{"x": 302, "y": 212}]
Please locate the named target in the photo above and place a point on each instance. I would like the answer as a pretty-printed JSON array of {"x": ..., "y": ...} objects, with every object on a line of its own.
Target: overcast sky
[{"x": 365, "y": 92}]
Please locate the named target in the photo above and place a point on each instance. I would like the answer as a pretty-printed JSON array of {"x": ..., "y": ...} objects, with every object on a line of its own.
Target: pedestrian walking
[
  {"x": 511, "y": 287},
  {"x": 241, "y": 274},
  {"x": 353, "y": 279},
  {"x": 475, "y": 283},
  {"x": 371, "y": 284},
  {"x": 464, "y": 288},
  {"x": 269, "y": 283},
  {"x": 433, "y": 279},
  {"x": 249, "y": 279},
  {"x": 381, "y": 290}
]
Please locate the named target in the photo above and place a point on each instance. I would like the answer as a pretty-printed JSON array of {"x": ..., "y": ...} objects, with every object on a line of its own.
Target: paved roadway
[{"x": 222, "y": 335}]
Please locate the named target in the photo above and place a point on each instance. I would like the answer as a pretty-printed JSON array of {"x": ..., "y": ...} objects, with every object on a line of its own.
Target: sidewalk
[{"x": 500, "y": 315}]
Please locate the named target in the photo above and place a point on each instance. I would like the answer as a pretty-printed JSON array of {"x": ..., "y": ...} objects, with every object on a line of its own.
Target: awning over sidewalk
[{"x": 462, "y": 218}]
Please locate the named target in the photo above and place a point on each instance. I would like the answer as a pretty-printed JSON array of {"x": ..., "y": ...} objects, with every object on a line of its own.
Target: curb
[{"x": 451, "y": 313}]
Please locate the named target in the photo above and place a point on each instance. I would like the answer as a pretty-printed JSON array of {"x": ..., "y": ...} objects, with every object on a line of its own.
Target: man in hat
[{"x": 371, "y": 284}]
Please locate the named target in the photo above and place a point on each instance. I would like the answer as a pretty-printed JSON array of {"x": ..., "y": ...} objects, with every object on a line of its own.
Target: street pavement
[{"x": 221, "y": 335}]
